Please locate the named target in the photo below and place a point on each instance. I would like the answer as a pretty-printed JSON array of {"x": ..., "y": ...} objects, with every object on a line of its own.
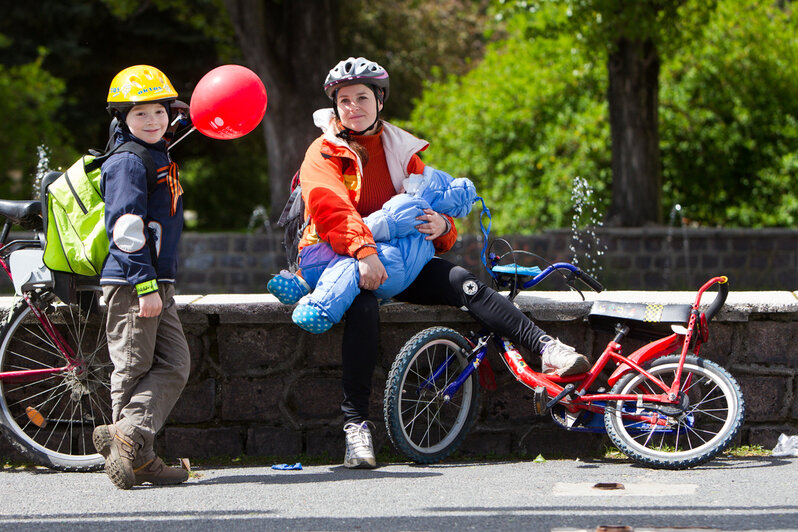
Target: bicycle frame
[
  {"x": 60, "y": 343},
  {"x": 572, "y": 391}
]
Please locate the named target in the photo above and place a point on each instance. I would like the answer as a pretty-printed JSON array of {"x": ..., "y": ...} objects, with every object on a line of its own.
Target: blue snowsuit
[{"x": 402, "y": 250}]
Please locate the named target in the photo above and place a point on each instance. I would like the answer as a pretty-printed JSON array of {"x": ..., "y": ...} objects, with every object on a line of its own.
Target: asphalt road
[{"x": 728, "y": 494}]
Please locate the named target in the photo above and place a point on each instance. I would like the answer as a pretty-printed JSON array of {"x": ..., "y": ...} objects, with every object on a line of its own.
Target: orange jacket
[{"x": 331, "y": 175}]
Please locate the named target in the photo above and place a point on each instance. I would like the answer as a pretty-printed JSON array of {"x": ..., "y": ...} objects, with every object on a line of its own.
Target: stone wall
[
  {"x": 655, "y": 258},
  {"x": 261, "y": 386}
]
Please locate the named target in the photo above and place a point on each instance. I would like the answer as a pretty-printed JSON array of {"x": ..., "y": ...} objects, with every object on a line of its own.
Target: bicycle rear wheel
[
  {"x": 709, "y": 418},
  {"x": 50, "y": 418},
  {"x": 421, "y": 423}
]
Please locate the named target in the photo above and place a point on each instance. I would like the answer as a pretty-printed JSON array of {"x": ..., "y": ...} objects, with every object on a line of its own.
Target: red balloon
[{"x": 228, "y": 102}]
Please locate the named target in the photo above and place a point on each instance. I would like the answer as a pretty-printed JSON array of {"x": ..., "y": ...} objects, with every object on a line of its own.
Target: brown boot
[
  {"x": 119, "y": 451},
  {"x": 157, "y": 472}
]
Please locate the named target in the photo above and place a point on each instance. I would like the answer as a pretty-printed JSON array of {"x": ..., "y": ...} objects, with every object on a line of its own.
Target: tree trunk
[
  {"x": 291, "y": 46},
  {"x": 634, "y": 123}
]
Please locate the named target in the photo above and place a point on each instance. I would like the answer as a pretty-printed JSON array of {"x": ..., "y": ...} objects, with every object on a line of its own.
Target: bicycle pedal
[
  {"x": 566, "y": 391},
  {"x": 540, "y": 397}
]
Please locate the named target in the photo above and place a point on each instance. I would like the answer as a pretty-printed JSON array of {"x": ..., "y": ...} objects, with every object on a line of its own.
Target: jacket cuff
[
  {"x": 147, "y": 287},
  {"x": 365, "y": 251}
]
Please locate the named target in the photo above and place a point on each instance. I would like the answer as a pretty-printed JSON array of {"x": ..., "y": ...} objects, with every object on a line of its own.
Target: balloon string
[{"x": 173, "y": 144}]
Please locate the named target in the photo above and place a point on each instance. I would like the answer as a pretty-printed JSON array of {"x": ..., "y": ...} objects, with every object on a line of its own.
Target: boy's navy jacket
[{"x": 143, "y": 235}]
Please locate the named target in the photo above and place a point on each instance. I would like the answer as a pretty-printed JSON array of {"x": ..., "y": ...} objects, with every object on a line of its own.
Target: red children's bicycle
[
  {"x": 54, "y": 364},
  {"x": 667, "y": 407}
]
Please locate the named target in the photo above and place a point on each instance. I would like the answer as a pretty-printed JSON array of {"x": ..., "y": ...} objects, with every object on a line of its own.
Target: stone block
[
  {"x": 10, "y": 453},
  {"x": 197, "y": 350},
  {"x": 720, "y": 345},
  {"x": 764, "y": 397},
  {"x": 231, "y": 261},
  {"x": 319, "y": 350},
  {"x": 734, "y": 261},
  {"x": 770, "y": 343},
  {"x": 652, "y": 245},
  {"x": 273, "y": 441},
  {"x": 315, "y": 397},
  {"x": 200, "y": 442},
  {"x": 487, "y": 443},
  {"x": 766, "y": 436},
  {"x": 198, "y": 262},
  {"x": 252, "y": 399},
  {"x": 196, "y": 404},
  {"x": 643, "y": 261},
  {"x": 327, "y": 441},
  {"x": 510, "y": 404},
  {"x": 710, "y": 261},
  {"x": 244, "y": 349}
]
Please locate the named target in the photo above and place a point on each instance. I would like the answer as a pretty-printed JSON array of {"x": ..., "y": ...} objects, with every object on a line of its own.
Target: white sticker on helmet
[{"x": 129, "y": 233}]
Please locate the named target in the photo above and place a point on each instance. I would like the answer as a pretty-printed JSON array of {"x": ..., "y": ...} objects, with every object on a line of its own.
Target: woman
[{"x": 349, "y": 172}]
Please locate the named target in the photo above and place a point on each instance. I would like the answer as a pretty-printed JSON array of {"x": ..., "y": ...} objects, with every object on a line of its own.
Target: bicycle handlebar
[
  {"x": 589, "y": 281},
  {"x": 720, "y": 299},
  {"x": 576, "y": 273}
]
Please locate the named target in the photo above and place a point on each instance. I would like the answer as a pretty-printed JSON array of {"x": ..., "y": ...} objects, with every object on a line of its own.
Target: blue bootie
[
  {"x": 311, "y": 319},
  {"x": 288, "y": 287}
]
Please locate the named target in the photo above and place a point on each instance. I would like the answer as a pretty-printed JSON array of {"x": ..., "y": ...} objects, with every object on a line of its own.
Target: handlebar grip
[
  {"x": 720, "y": 299},
  {"x": 591, "y": 282}
]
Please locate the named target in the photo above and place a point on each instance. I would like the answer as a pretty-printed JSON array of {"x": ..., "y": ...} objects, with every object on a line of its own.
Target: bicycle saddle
[
  {"x": 645, "y": 320},
  {"x": 17, "y": 210}
]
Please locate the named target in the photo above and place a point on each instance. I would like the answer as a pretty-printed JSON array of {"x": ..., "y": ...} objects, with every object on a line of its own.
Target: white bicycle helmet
[{"x": 357, "y": 70}]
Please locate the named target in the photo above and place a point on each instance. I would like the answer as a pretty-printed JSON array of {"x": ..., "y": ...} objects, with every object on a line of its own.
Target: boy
[{"x": 145, "y": 338}]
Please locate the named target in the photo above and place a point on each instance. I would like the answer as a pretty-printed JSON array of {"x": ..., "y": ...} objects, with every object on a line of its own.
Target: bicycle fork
[{"x": 476, "y": 356}]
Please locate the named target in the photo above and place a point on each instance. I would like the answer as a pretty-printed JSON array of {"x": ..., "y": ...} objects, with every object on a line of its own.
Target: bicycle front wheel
[
  {"x": 703, "y": 425},
  {"x": 422, "y": 422},
  {"x": 50, "y": 417}
]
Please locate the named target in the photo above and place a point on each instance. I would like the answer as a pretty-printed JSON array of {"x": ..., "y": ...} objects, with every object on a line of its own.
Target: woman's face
[{"x": 357, "y": 107}]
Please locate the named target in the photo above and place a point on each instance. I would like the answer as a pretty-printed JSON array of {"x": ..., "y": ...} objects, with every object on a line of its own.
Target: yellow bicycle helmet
[{"x": 139, "y": 84}]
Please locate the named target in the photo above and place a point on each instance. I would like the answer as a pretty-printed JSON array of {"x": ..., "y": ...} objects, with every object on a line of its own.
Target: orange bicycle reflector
[{"x": 35, "y": 417}]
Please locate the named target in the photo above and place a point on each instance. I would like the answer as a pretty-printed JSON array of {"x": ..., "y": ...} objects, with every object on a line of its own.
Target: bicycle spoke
[{"x": 70, "y": 402}]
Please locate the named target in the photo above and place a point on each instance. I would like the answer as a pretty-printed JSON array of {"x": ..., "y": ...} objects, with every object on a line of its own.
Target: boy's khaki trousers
[{"x": 151, "y": 363}]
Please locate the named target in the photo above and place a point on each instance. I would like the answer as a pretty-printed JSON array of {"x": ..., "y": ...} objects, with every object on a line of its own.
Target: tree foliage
[
  {"x": 532, "y": 116},
  {"x": 29, "y": 98},
  {"x": 416, "y": 41},
  {"x": 730, "y": 119},
  {"x": 523, "y": 123}
]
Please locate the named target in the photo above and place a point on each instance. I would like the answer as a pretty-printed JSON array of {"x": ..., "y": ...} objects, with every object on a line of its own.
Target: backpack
[
  {"x": 293, "y": 221},
  {"x": 73, "y": 209}
]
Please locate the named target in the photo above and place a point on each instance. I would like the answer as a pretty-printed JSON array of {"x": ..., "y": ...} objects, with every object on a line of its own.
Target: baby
[{"x": 401, "y": 248}]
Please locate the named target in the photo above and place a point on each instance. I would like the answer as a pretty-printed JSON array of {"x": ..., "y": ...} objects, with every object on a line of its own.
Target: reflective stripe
[
  {"x": 129, "y": 233},
  {"x": 146, "y": 287}
]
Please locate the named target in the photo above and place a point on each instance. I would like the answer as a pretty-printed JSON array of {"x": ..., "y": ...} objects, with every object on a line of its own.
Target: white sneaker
[
  {"x": 359, "y": 448},
  {"x": 561, "y": 359}
]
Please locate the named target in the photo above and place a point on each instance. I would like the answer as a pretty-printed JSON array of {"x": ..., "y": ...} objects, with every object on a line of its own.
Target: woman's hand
[
  {"x": 435, "y": 224},
  {"x": 372, "y": 272},
  {"x": 150, "y": 305}
]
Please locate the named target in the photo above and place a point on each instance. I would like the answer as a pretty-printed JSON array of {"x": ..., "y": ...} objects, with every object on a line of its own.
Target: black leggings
[{"x": 439, "y": 283}]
